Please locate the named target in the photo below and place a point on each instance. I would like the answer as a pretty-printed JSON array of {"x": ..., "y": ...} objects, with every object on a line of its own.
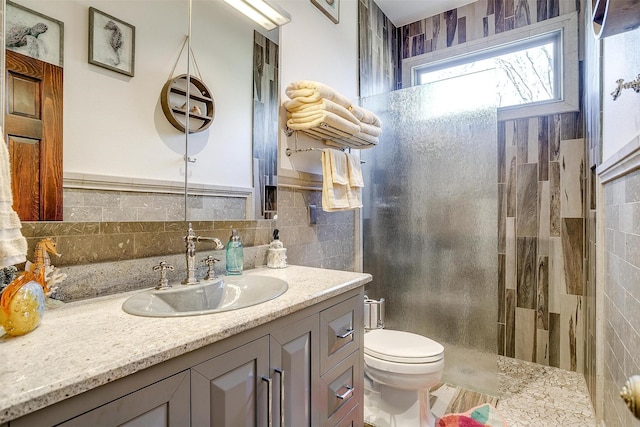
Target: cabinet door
[
  {"x": 165, "y": 403},
  {"x": 231, "y": 390},
  {"x": 295, "y": 373}
]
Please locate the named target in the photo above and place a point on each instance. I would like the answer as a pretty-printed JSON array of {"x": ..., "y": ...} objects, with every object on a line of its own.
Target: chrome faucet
[{"x": 190, "y": 241}]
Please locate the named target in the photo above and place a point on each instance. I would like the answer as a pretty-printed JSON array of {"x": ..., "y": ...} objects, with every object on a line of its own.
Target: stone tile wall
[
  {"x": 328, "y": 244},
  {"x": 100, "y": 258},
  {"x": 621, "y": 307},
  {"x": 541, "y": 179},
  {"x": 124, "y": 206}
]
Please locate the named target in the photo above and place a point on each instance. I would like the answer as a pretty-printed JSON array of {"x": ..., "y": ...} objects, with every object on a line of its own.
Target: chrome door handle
[
  {"x": 348, "y": 333},
  {"x": 269, "y": 401},
  {"x": 281, "y": 372},
  {"x": 347, "y": 394}
]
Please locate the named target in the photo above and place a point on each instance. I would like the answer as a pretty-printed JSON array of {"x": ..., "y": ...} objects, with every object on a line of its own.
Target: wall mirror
[{"x": 122, "y": 159}]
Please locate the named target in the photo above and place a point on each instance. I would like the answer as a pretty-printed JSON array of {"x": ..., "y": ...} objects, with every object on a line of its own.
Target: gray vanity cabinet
[
  {"x": 160, "y": 403},
  {"x": 304, "y": 369},
  {"x": 294, "y": 370},
  {"x": 233, "y": 389}
]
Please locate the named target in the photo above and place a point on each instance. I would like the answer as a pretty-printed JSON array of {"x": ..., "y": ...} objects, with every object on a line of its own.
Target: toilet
[{"x": 399, "y": 369}]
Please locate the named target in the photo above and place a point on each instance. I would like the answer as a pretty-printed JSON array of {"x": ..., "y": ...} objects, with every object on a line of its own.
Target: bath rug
[{"x": 480, "y": 416}]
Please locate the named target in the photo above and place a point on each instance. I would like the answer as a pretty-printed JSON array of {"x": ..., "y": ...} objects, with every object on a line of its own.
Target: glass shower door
[{"x": 430, "y": 220}]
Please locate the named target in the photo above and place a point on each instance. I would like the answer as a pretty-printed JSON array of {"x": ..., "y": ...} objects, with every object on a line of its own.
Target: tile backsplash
[{"x": 102, "y": 258}]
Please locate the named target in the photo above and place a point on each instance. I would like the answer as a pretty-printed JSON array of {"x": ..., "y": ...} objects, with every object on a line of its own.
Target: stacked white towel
[
  {"x": 342, "y": 181},
  {"x": 313, "y": 103},
  {"x": 13, "y": 246}
]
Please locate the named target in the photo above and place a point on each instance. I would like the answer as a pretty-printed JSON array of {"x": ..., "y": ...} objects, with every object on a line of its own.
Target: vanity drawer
[
  {"x": 352, "y": 419},
  {"x": 340, "y": 331},
  {"x": 340, "y": 390}
]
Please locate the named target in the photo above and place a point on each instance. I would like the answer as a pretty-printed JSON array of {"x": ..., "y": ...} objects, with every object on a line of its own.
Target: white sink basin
[{"x": 223, "y": 294}]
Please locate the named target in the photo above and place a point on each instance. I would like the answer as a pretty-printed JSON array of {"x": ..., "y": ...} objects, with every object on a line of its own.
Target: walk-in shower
[{"x": 430, "y": 220}]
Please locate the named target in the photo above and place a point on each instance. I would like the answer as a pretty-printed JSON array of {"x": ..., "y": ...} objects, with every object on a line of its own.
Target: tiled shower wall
[
  {"x": 540, "y": 178},
  {"x": 621, "y": 289},
  {"x": 540, "y": 240}
]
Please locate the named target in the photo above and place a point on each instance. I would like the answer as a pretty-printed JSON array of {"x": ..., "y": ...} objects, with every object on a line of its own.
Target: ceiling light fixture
[{"x": 266, "y": 14}]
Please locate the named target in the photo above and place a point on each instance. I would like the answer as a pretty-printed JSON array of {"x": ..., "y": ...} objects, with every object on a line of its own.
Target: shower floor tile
[
  {"x": 535, "y": 395},
  {"x": 531, "y": 395}
]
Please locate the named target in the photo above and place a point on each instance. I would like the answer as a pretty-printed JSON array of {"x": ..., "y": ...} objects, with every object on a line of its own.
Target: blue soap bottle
[{"x": 235, "y": 255}]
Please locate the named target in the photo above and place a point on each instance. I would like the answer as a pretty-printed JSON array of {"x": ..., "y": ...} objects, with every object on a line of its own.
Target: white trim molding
[
  {"x": 141, "y": 185},
  {"x": 623, "y": 162}
]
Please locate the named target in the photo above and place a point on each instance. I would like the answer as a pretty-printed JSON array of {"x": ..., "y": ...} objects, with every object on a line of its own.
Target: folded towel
[
  {"x": 13, "y": 246},
  {"x": 368, "y": 138},
  {"x": 311, "y": 120},
  {"x": 334, "y": 196},
  {"x": 295, "y": 107},
  {"x": 310, "y": 91},
  {"x": 370, "y": 129},
  {"x": 365, "y": 115},
  {"x": 355, "y": 171}
]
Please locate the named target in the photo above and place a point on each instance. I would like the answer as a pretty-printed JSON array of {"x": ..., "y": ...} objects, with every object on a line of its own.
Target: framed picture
[
  {"x": 33, "y": 34},
  {"x": 331, "y": 8},
  {"x": 112, "y": 42}
]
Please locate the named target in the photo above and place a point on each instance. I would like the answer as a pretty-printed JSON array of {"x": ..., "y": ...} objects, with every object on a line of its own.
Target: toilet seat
[{"x": 402, "y": 347}]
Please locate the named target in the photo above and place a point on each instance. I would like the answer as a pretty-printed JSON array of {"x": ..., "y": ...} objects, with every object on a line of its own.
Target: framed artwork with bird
[
  {"x": 111, "y": 42},
  {"x": 33, "y": 34}
]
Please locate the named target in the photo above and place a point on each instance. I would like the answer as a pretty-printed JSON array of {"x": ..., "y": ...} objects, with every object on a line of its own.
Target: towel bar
[{"x": 334, "y": 137}]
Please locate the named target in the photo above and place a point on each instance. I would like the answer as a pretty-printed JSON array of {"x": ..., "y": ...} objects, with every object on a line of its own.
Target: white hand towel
[
  {"x": 13, "y": 246},
  {"x": 355, "y": 171},
  {"x": 334, "y": 196},
  {"x": 339, "y": 167}
]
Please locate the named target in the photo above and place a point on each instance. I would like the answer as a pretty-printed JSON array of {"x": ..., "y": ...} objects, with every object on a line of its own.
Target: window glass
[{"x": 524, "y": 74}]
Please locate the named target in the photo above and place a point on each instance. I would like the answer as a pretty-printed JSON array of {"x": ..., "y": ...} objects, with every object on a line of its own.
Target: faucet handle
[
  {"x": 210, "y": 261},
  {"x": 163, "y": 283}
]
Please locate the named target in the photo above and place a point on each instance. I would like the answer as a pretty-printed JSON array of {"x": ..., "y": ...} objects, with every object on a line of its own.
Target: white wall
[
  {"x": 314, "y": 48},
  {"x": 114, "y": 125},
  {"x": 621, "y": 118}
]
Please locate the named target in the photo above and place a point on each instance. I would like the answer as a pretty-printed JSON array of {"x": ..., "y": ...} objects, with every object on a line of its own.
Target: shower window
[
  {"x": 526, "y": 72},
  {"x": 536, "y": 67}
]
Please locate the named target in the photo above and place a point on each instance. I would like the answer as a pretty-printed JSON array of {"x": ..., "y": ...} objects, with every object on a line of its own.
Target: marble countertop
[{"x": 85, "y": 344}]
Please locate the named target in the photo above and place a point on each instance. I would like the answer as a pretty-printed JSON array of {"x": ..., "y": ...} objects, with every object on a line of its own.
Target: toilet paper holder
[{"x": 373, "y": 313}]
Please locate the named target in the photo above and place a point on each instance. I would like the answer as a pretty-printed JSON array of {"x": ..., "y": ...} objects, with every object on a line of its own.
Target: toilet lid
[{"x": 401, "y": 347}]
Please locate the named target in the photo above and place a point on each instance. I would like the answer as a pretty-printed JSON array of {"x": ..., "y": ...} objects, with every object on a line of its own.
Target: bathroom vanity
[{"x": 295, "y": 360}]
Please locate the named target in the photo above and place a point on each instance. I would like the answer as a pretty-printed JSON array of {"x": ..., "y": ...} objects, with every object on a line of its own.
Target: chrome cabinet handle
[
  {"x": 348, "y": 333},
  {"x": 347, "y": 394},
  {"x": 281, "y": 372},
  {"x": 269, "y": 401}
]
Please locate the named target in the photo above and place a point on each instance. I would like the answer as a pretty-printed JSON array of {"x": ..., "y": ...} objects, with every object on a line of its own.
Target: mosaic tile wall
[
  {"x": 541, "y": 180},
  {"x": 621, "y": 289}
]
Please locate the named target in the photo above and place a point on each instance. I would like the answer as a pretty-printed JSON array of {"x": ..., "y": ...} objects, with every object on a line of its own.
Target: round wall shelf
[{"x": 174, "y": 101}]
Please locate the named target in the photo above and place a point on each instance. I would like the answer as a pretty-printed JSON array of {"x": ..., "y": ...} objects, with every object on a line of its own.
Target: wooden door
[
  {"x": 33, "y": 132},
  {"x": 233, "y": 389}
]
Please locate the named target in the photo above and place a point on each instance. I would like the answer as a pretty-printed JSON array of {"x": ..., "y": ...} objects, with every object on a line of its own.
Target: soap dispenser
[
  {"x": 277, "y": 256},
  {"x": 235, "y": 255}
]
